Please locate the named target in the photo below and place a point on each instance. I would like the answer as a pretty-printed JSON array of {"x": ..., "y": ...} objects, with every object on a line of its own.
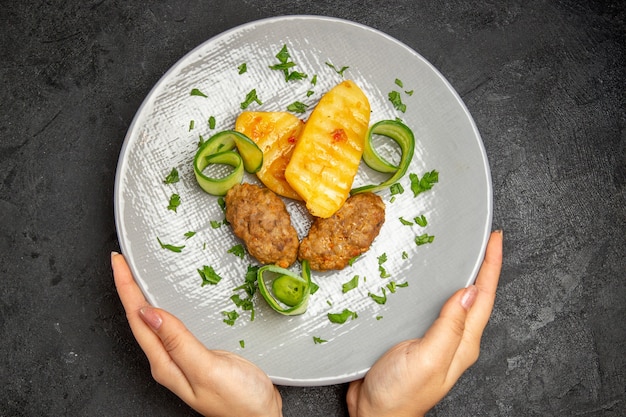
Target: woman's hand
[
  {"x": 214, "y": 383},
  {"x": 413, "y": 376}
]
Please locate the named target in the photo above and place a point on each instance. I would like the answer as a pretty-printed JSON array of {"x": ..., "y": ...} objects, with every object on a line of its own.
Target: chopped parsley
[
  {"x": 241, "y": 69},
  {"x": 399, "y": 83},
  {"x": 353, "y": 260},
  {"x": 314, "y": 80},
  {"x": 338, "y": 71},
  {"x": 340, "y": 318},
  {"x": 209, "y": 276},
  {"x": 242, "y": 343},
  {"x": 428, "y": 180},
  {"x": 381, "y": 260},
  {"x": 396, "y": 188},
  {"x": 238, "y": 250},
  {"x": 212, "y": 122},
  {"x": 380, "y": 299},
  {"x": 196, "y": 92},
  {"x": 313, "y": 288},
  {"x": 405, "y": 222},
  {"x": 396, "y": 100},
  {"x": 192, "y": 123},
  {"x": 172, "y": 177},
  {"x": 405, "y": 255},
  {"x": 189, "y": 235},
  {"x": 230, "y": 317},
  {"x": 174, "y": 202},
  {"x": 424, "y": 239},
  {"x": 251, "y": 97},
  {"x": 297, "y": 107},
  {"x": 285, "y": 64},
  {"x": 421, "y": 220},
  {"x": 215, "y": 224},
  {"x": 172, "y": 248},
  {"x": 318, "y": 340},
  {"x": 350, "y": 285}
]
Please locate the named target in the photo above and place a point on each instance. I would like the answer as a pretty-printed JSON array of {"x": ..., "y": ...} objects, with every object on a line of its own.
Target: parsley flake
[
  {"x": 189, "y": 234},
  {"x": 341, "y": 318},
  {"x": 380, "y": 299},
  {"x": 215, "y": 224},
  {"x": 297, "y": 107},
  {"x": 172, "y": 177},
  {"x": 174, "y": 202},
  {"x": 209, "y": 276},
  {"x": 318, "y": 340},
  {"x": 396, "y": 100},
  {"x": 196, "y": 92},
  {"x": 212, "y": 122},
  {"x": 230, "y": 317},
  {"x": 237, "y": 250},
  {"x": 251, "y": 97},
  {"x": 421, "y": 220},
  {"x": 241, "y": 69},
  {"x": 405, "y": 222},
  {"x": 428, "y": 180},
  {"x": 172, "y": 248},
  {"x": 242, "y": 343},
  {"x": 338, "y": 71},
  {"x": 424, "y": 239},
  {"x": 350, "y": 285}
]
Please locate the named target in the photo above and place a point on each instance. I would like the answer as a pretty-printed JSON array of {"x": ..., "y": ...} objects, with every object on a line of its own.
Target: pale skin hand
[
  {"x": 413, "y": 376},
  {"x": 214, "y": 383}
]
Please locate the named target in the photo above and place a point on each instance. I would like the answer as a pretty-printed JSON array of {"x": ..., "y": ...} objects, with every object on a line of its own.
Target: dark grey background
[{"x": 545, "y": 82}]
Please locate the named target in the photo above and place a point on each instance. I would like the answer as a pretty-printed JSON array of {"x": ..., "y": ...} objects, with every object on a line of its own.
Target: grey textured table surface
[{"x": 545, "y": 82}]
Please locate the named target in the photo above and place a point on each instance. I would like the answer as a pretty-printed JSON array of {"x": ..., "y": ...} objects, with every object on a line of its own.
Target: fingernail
[
  {"x": 469, "y": 296},
  {"x": 113, "y": 253},
  {"x": 499, "y": 231},
  {"x": 151, "y": 317}
]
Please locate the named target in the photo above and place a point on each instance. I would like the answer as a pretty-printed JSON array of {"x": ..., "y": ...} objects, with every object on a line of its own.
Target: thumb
[{"x": 444, "y": 337}]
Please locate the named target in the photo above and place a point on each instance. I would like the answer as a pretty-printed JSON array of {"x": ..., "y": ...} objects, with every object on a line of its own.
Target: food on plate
[
  {"x": 260, "y": 219},
  {"x": 284, "y": 291},
  {"x": 333, "y": 241},
  {"x": 219, "y": 149},
  {"x": 403, "y": 136},
  {"x": 275, "y": 133},
  {"x": 327, "y": 154}
]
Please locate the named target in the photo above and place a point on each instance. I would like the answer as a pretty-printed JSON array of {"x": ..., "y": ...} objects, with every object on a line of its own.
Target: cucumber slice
[
  {"x": 228, "y": 139},
  {"x": 218, "y": 186},
  {"x": 404, "y": 137},
  {"x": 290, "y": 305}
]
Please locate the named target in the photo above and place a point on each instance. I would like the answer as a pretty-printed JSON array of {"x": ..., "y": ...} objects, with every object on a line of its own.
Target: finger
[
  {"x": 133, "y": 301},
  {"x": 478, "y": 316},
  {"x": 487, "y": 283},
  {"x": 441, "y": 341},
  {"x": 352, "y": 397}
]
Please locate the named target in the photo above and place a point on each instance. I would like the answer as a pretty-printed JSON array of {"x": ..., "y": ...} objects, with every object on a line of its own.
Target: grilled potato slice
[
  {"x": 327, "y": 154},
  {"x": 276, "y": 133}
]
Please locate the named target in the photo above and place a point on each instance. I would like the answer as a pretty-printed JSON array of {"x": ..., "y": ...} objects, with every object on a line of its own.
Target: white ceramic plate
[{"x": 458, "y": 208}]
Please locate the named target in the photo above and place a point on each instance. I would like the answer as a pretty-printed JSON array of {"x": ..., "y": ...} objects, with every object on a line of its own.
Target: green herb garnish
[
  {"x": 215, "y": 224},
  {"x": 297, "y": 107},
  {"x": 396, "y": 100},
  {"x": 212, "y": 122},
  {"x": 231, "y": 317},
  {"x": 209, "y": 276},
  {"x": 338, "y": 71},
  {"x": 196, "y": 92},
  {"x": 174, "y": 202},
  {"x": 424, "y": 239},
  {"x": 172, "y": 177},
  {"x": 405, "y": 222},
  {"x": 172, "y": 248},
  {"x": 421, "y": 220},
  {"x": 340, "y": 318},
  {"x": 192, "y": 123},
  {"x": 238, "y": 250},
  {"x": 380, "y": 299},
  {"x": 396, "y": 188},
  {"x": 350, "y": 285},
  {"x": 318, "y": 340},
  {"x": 427, "y": 181},
  {"x": 189, "y": 235},
  {"x": 242, "y": 68},
  {"x": 399, "y": 83},
  {"x": 250, "y": 98},
  {"x": 242, "y": 344}
]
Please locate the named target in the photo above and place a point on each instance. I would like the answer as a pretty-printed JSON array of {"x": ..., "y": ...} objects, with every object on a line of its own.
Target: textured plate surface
[{"x": 458, "y": 208}]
